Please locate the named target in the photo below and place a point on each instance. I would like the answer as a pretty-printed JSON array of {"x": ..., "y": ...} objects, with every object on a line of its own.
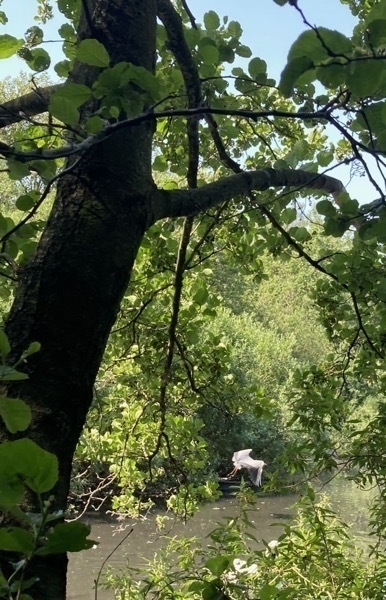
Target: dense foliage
[{"x": 142, "y": 224}]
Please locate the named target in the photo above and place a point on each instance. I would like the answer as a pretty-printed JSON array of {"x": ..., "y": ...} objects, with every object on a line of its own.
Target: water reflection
[{"x": 271, "y": 514}]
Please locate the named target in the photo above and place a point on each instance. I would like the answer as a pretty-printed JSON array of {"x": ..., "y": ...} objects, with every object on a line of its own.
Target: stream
[{"x": 119, "y": 549}]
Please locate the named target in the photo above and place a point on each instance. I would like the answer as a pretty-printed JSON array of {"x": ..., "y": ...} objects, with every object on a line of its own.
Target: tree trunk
[{"x": 70, "y": 292}]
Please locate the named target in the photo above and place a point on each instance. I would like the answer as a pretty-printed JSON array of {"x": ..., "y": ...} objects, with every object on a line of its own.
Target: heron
[{"x": 242, "y": 460}]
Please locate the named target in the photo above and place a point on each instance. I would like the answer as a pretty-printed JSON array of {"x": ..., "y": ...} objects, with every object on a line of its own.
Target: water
[{"x": 144, "y": 541}]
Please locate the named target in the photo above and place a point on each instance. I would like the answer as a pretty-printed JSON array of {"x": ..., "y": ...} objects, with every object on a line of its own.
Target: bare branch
[{"x": 83, "y": 146}]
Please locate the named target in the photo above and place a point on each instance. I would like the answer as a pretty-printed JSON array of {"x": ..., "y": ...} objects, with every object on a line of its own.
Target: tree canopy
[{"x": 162, "y": 159}]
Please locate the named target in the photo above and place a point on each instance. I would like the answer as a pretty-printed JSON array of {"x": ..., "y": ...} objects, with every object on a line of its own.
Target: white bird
[
  {"x": 272, "y": 549},
  {"x": 242, "y": 460}
]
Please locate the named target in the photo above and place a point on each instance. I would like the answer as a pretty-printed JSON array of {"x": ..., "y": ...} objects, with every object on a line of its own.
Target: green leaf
[
  {"x": 5, "y": 347},
  {"x": 288, "y": 215},
  {"x": 211, "y": 592},
  {"x": 16, "y": 539},
  {"x": 66, "y": 100},
  {"x": 34, "y": 35},
  {"x": 77, "y": 93},
  {"x": 197, "y": 586},
  {"x": 335, "y": 227},
  {"x": 332, "y": 75},
  {"x": 243, "y": 51},
  {"x": 17, "y": 169},
  {"x": 300, "y": 234},
  {"x": 363, "y": 77},
  {"x": 326, "y": 208},
  {"x": 201, "y": 295},
  {"x": 209, "y": 54},
  {"x": 64, "y": 110},
  {"x": 94, "y": 124},
  {"x": 348, "y": 206},
  {"x": 28, "y": 463},
  {"x": 37, "y": 59},
  {"x": 235, "y": 29},
  {"x": 93, "y": 53},
  {"x": 257, "y": 69},
  {"x": 67, "y": 32},
  {"x": 218, "y": 564},
  {"x": 269, "y": 592},
  {"x": 63, "y": 67},
  {"x": 9, "y": 45},
  {"x": 325, "y": 158},
  {"x": 67, "y": 537},
  {"x": 292, "y": 71},
  {"x": 10, "y": 374},
  {"x": 376, "y": 33},
  {"x": 70, "y": 9},
  {"x": 318, "y": 46},
  {"x": 226, "y": 53},
  {"x": 32, "y": 349},
  {"x": 15, "y": 413},
  {"x": 211, "y": 20},
  {"x": 45, "y": 168},
  {"x": 25, "y": 202}
]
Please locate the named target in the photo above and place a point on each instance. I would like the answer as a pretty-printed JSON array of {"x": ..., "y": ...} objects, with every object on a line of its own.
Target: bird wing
[
  {"x": 239, "y": 456},
  {"x": 255, "y": 471}
]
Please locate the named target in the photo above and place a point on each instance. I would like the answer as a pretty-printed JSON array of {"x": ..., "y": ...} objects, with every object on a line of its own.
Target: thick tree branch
[
  {"x": 29, "y": 105},
  {"x": 180, "y": 203}
]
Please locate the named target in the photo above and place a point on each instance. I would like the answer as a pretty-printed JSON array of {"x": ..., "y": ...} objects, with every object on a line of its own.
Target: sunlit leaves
[
  {"x": 93, "y": 53},
  {"x": 9, "y": 45},
  {"x": 67, "y": 99}
]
